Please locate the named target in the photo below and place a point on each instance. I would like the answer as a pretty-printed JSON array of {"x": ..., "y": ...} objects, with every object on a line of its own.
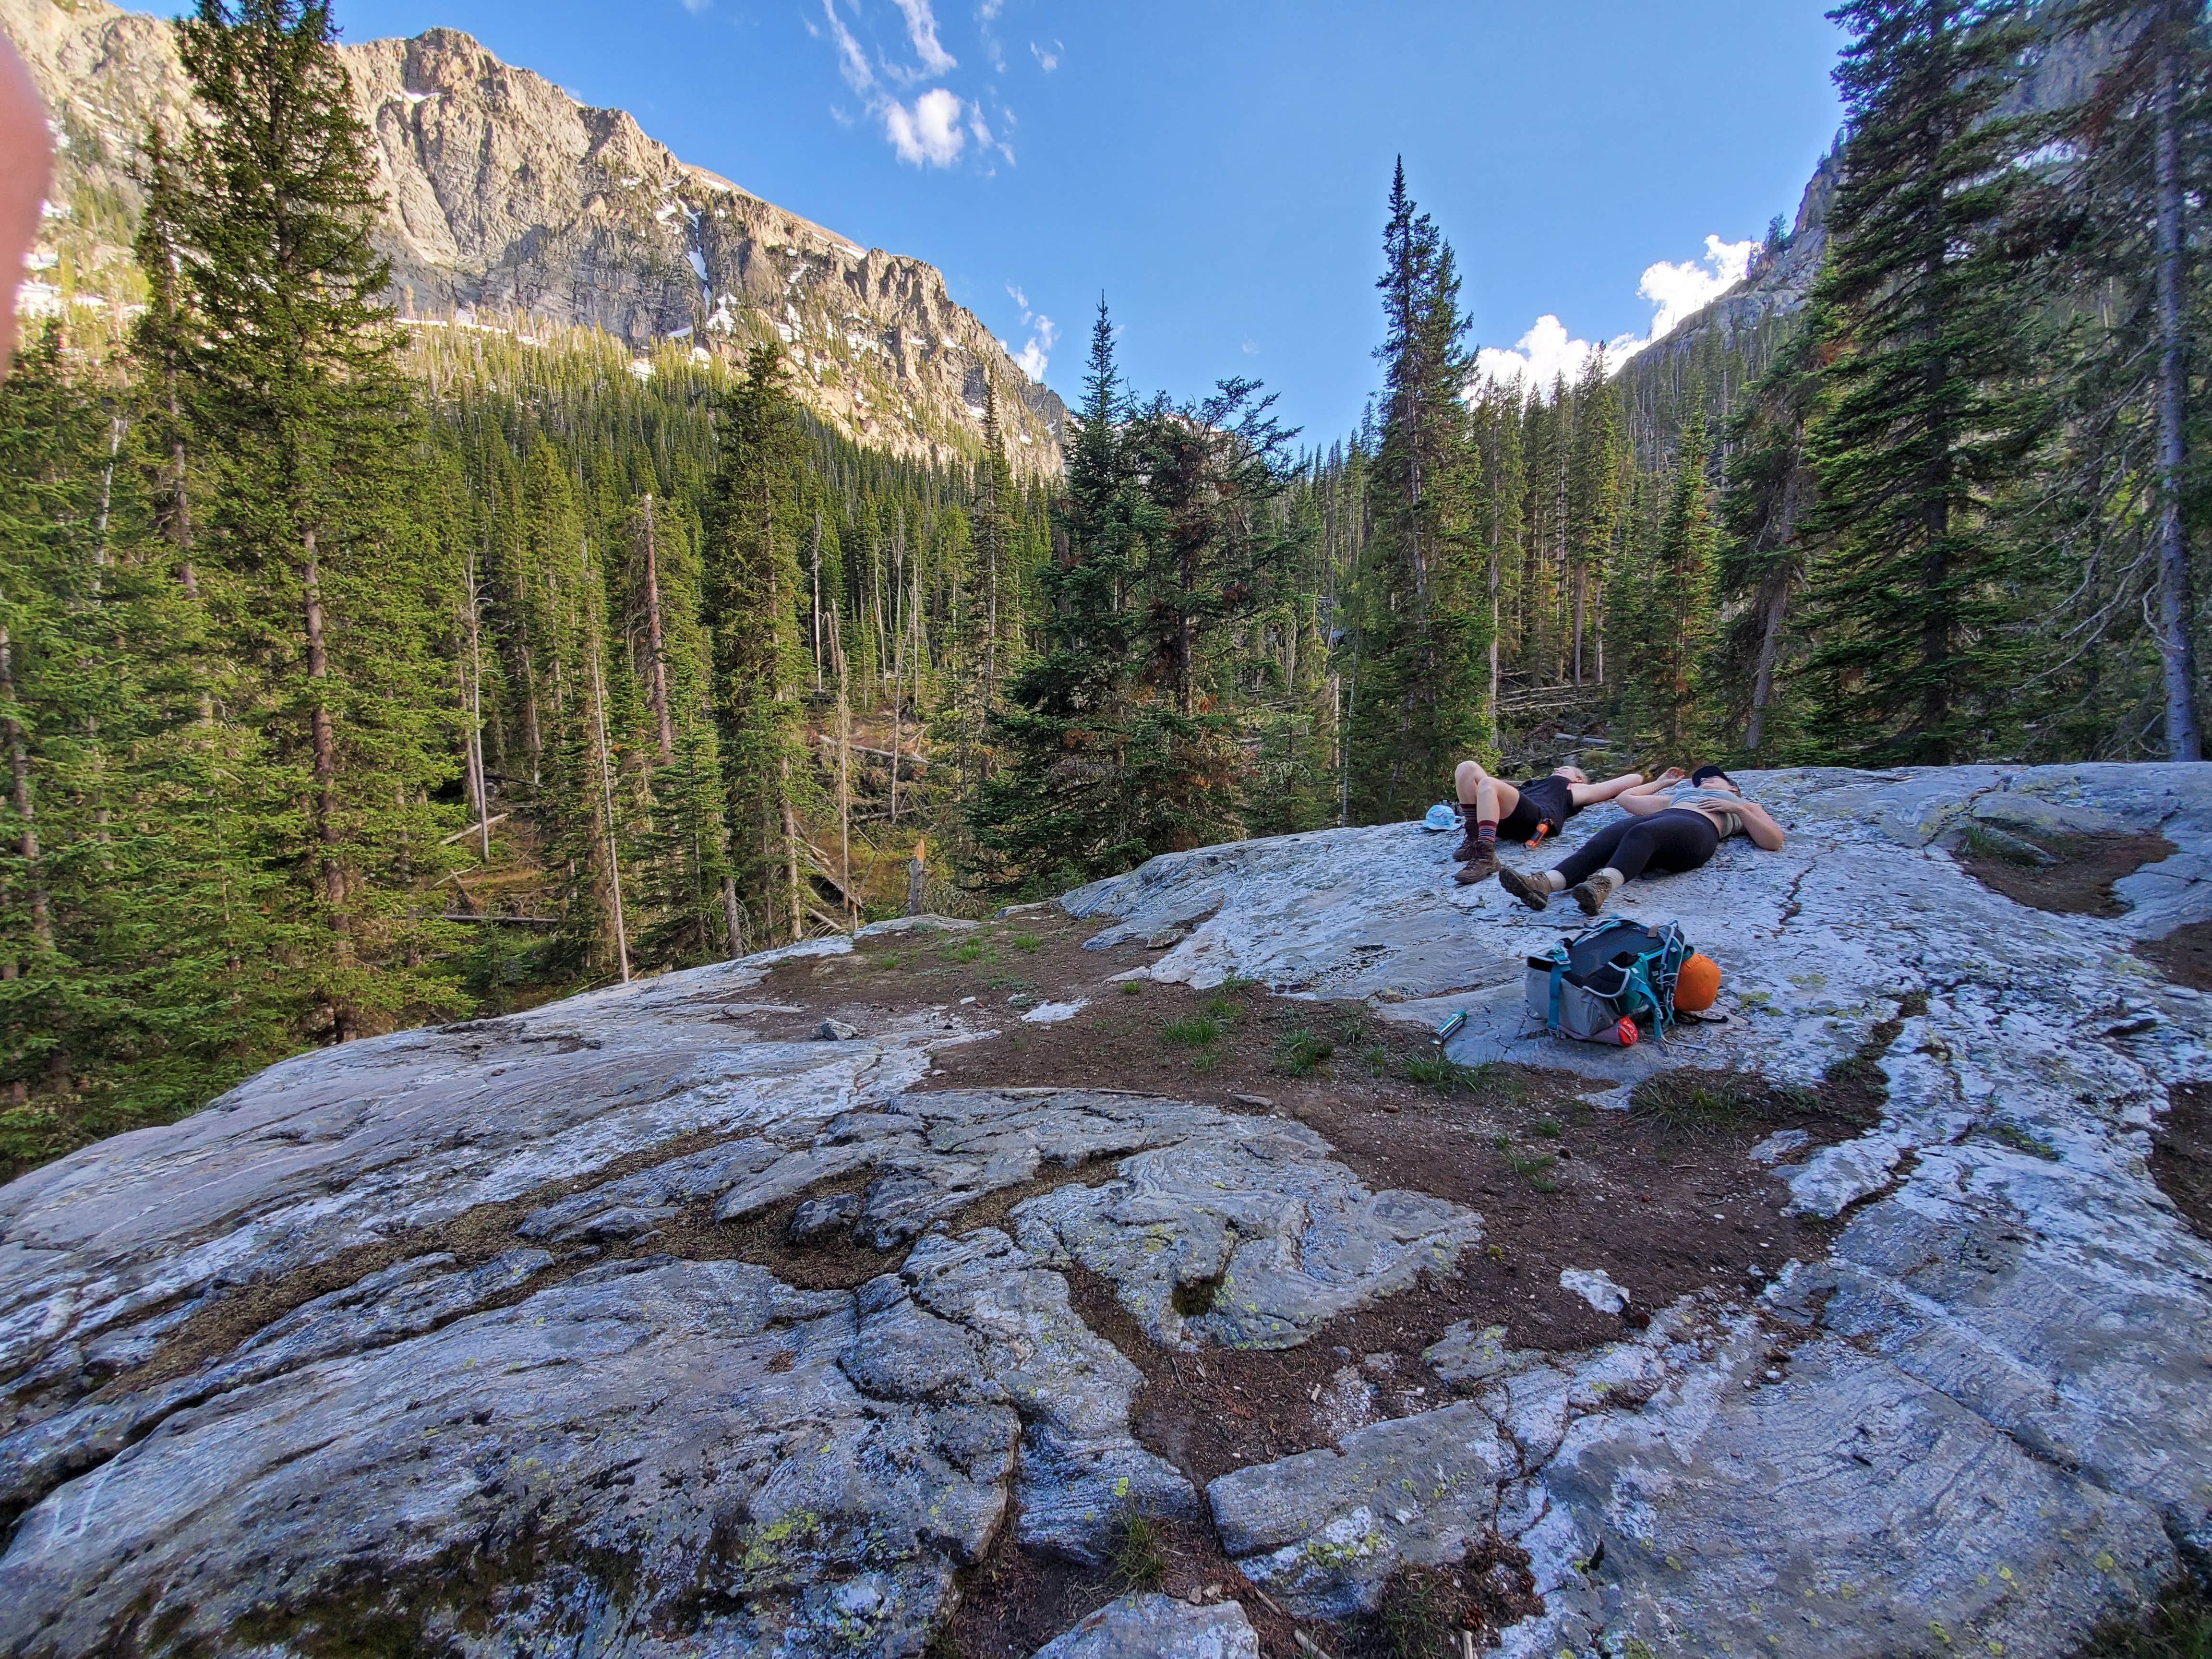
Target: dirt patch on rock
[
  {"x": 2181, "y": 1153},
  {"x": 2079, "y": 881},
  {"x": 2184, "y": 955}
]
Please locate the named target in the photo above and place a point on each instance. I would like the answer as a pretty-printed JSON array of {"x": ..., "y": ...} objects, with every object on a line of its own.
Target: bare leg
[
  {"x": 1590, "y": 794},
  {"x": 1492, "y": 799}
]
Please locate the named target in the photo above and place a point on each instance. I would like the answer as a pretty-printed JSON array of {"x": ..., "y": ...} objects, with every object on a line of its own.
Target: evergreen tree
[
  {"x": 1766, "y": 499},
  {"x": 1674, "y": 610},
  {"x": 322, "y": 594},
  {"x": 751, "y": 582},
  {"x": 1425, "y": 610},
  {"x": 2121, "y": 215},
  {"x": 1925, "y": 414}
]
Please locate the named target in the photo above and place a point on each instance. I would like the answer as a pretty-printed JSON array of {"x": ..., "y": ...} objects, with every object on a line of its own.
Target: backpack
[{"x": 1595, "y": 986}]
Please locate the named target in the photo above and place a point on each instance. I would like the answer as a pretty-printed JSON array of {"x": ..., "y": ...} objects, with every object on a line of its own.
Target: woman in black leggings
[{"x": 1669, "y": 833}]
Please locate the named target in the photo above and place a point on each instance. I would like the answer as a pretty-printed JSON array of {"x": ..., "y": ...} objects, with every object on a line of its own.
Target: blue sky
[{"x": 1218, "y": 170}]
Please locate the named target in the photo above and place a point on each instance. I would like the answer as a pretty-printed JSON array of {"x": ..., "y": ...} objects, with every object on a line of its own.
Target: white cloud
[
  {"x": 1044, "y": 334},
  {"x": 852, "y": 61},
  {"x": 1545, "y": 353},
  {"x": 1047, "y": 57},
  {"x": 922, "y": 29},
  {"x": 929, "y": 133},
  {"x": 1251, "y": 348},
  {"x": 695, "y": 7},
  {"x": 1675, "y": 290}
]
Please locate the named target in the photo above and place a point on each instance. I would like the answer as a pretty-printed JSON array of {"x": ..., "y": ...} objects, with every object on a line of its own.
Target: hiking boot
[
  {"x": 1468, "y": 842},
  {"x": 1591, "y": 894},
  {"x": 1480, "y": 864},
  {"x": 1536, "y": 897}
]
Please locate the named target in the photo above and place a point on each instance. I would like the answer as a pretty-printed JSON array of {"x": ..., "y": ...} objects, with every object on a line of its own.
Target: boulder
[{"x": 1158, "y": 1627}]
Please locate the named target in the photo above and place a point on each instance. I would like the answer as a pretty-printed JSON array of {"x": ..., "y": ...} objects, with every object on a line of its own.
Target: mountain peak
[{"x": 510, "y": 198}]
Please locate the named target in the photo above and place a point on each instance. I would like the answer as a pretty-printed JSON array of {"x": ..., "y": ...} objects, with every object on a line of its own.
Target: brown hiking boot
[
  {"x": 1480, "y": 864},
  {"x": 1536, "y": 897},
  {"x": 1468, "y": 842},
  {"x": 1591, "y": 894}
]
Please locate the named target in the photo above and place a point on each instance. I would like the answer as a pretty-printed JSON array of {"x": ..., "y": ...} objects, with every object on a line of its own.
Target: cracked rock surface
[
  {"x": 386, "y": 1332},
  {"x": 1997, "y": 1418}
]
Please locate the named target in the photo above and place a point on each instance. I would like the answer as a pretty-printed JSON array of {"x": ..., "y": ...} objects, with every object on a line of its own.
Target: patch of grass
[
  {"x": 1549, "y": 1127},
  {"x": 1198, "y": 1032},
  {"x": 890, "y": 959},
  {"x": 1444, "y": 1076},
  {"x": 1501, "y": 1140},
  {"x": 1419, "y": 1617},
  {"x": 1237, "y": 984},
  {"x": 1024, "y": 942},
  {"x": 1301, "y": 1054},
  {"x": 2178, "y": 1627},
  {"x": 2021, "y": 1141},
  {"x": 973, "y": 949},
  {"x": 1535, "y": 1169},
  {"x": 1355, "y": 1026},
  {"x": 1375, "y": 1058},
  {"x": 1136, "y": 1555},
  {"x": 1132, "y": 988},
  {"x": 1697, "y": 1103},
  {"x": 1225, "y": 1008}
]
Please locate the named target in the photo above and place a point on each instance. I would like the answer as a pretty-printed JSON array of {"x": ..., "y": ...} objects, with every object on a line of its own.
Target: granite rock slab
[{"x": 1158, "y": 1627}]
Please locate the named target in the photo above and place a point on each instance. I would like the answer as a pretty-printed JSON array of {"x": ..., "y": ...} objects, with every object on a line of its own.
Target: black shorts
[{"x": 1546, "y": 804}]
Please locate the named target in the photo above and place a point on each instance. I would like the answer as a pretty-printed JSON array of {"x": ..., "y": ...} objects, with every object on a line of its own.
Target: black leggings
[{"x": 1676, "y": 839}]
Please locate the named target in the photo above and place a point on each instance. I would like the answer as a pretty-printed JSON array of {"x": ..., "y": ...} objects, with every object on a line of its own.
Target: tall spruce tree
[
  {"x": 752, "y": 593},
  {"x": 1764, "y": 506},
  {"x": 1425, "y": 611},
  {"x": 1055, "y": 812},
  {"x": 1674, "y": 610},
  {"x": 1926, "y": 413},
  {"x": 322, "y": 589},
  {"x": 2121, "y": 211}
]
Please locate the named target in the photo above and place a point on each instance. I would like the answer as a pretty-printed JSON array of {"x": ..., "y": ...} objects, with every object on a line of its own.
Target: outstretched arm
[
  {"x": 1590, "y": 794},
  {"x": 1758, "y": 824}
]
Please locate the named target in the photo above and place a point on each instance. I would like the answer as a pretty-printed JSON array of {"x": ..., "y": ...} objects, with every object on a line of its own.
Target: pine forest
[{"x": 356, "y": 675}]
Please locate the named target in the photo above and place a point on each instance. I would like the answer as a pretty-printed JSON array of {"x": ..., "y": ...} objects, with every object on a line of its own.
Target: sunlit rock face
[
  {"x": 477, "y": 1329},
  {"x": 511, "y": 205}
]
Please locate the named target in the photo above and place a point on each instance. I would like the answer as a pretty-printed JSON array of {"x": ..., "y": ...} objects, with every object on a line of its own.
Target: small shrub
[
  {"x": 1198, "y": 1031},
  {"x": 1137, "y": 1558},
  {"x": 1301, "y": 1054}
]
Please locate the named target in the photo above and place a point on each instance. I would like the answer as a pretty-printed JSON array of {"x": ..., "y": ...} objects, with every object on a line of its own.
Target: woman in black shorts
[
  {"x": 1495, "y": 811},
  {"x": 1676, "y": 831}
]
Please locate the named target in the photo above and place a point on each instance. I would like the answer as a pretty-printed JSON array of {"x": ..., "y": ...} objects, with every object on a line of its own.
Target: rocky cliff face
[
  {"x": 512, "y": 205},
  {"x": 639, "y": 1325}
]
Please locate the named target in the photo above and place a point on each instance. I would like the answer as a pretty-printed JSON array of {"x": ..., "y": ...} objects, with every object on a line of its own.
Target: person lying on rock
[
  {"x": 1523, "y": 812},
  {"x": 1676, "y": 830}
]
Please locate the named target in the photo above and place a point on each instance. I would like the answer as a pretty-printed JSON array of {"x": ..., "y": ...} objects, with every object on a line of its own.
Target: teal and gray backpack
[{"x": 1595, "y": 986}]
